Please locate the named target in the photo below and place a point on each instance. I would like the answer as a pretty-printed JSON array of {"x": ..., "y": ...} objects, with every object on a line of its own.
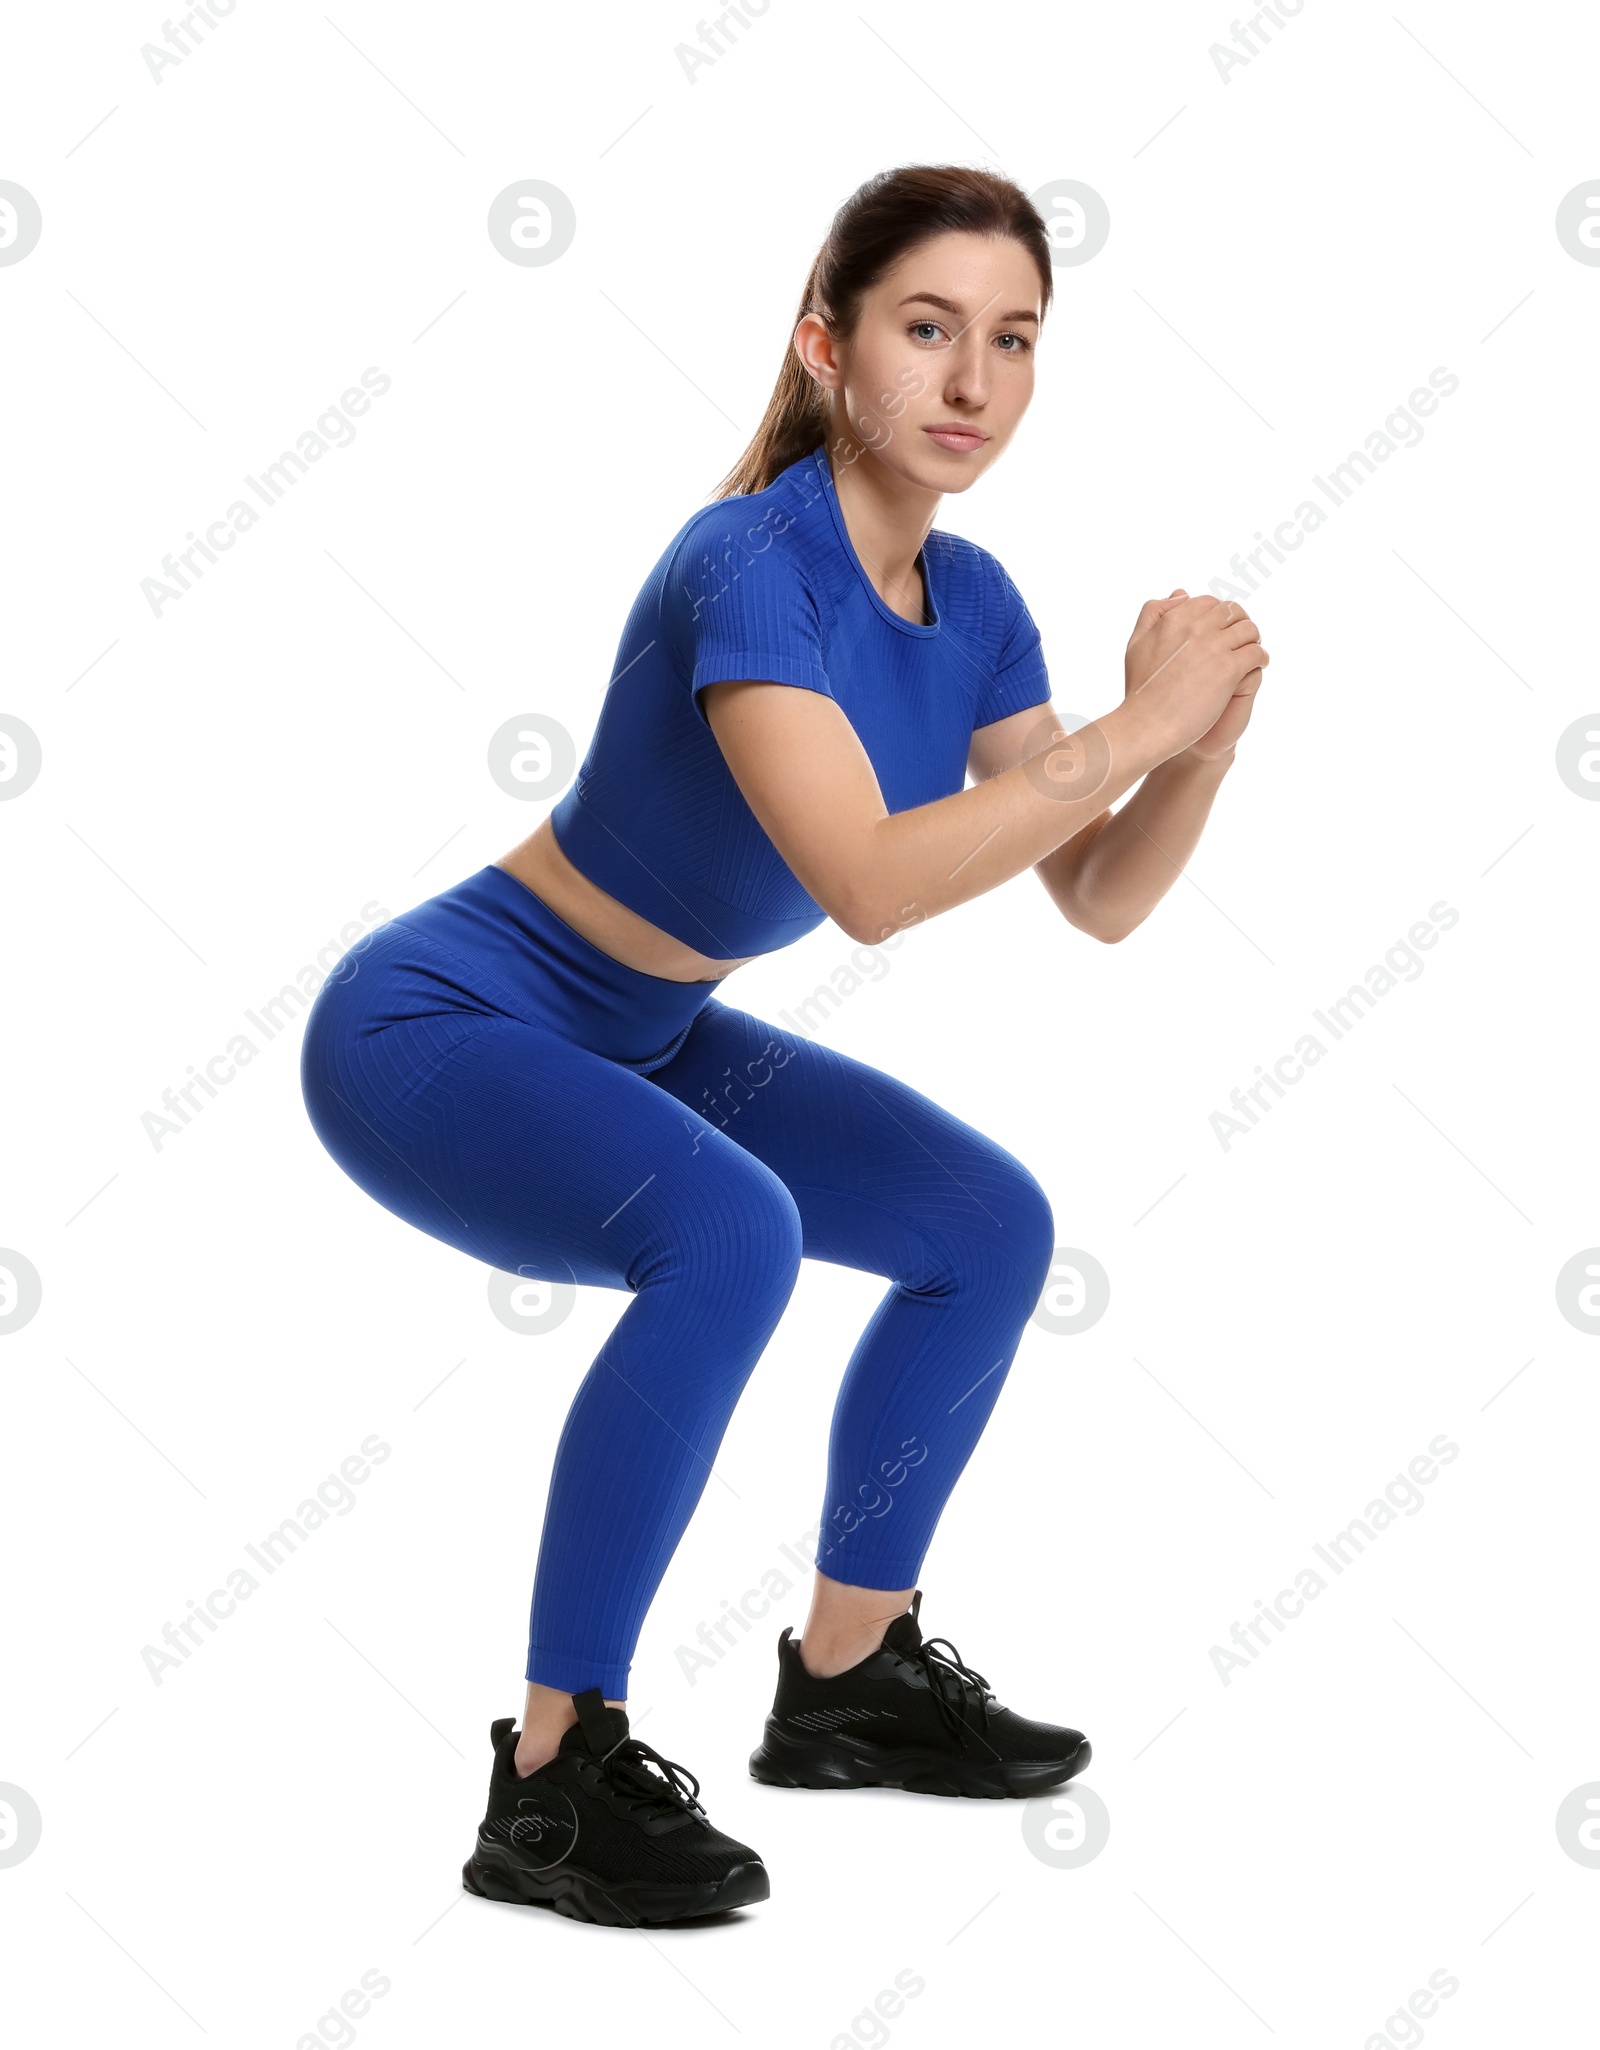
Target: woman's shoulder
[
  {"x": 980, "y": 600},
  {"x": 783, "y": 529},
  {"x": 966, "y": 558}
]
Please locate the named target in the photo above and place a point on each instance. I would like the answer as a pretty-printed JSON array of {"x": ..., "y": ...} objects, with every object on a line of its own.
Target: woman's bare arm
[
  {"x": 1110, "y": 876},
  {"x": 810, "y": 783},
  {"x": 1112, "y": 873}
]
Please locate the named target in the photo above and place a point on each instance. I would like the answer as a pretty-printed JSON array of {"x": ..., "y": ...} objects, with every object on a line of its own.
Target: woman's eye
[
  {"x": 918, "y": 324},
  {"x": 1023, "y": 344}
]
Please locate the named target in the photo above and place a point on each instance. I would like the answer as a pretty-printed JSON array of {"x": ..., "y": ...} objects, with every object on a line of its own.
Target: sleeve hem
[
  {"x": 753, "y": 668},
  {"x": 1021, "y": 694}
]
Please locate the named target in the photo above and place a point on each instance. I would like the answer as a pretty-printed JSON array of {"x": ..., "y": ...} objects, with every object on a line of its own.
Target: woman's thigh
[
  {"x": 526, "y": 1151},
  {"x": 885, "y": 1180}
]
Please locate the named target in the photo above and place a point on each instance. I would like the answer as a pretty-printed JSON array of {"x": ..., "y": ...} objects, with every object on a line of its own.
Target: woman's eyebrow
[{"x": 949, "y": 306}]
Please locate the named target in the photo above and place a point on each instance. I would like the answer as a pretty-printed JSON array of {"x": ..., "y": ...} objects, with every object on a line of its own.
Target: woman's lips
[{"x": 961, "y": 439}]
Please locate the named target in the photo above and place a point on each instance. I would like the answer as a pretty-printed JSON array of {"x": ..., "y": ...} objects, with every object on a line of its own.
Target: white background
[{"x": 1292, "y": 1319}]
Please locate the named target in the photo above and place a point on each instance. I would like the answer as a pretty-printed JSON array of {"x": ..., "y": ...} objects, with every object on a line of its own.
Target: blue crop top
[{"x": 767, "y": 586}]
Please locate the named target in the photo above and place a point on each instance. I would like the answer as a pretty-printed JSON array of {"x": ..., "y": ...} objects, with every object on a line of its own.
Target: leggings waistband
[{"x": 548, "y": 974}]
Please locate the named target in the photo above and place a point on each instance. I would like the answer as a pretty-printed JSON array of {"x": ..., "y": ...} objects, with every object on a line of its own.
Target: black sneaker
[
  {"x": 913, "y": 1716},
  {"x": 607, "y": 1831}
]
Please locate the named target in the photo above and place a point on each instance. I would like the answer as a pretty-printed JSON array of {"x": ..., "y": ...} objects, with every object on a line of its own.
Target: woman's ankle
[
  {"x": 845, "y": 1626},
  {"x": 825, "y": 1658},
  {"x": 547, "y": 1716},
  {"x": 534, "y": 1748}
]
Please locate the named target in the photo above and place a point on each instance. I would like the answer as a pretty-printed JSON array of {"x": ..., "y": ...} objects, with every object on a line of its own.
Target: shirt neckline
[{"x": 925, "y": 631}]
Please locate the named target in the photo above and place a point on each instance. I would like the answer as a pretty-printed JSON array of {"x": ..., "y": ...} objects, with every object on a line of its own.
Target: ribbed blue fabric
[
  {"x": 450, "y": 1067},
  {"x": 768, "y": 587}
]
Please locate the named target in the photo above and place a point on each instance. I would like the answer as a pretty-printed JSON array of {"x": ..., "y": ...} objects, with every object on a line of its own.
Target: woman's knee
[
  {"x": 732, "y": 1237},
  {"x": 1010, "y": 1243},
  {"x": 1030, "y": 1222}
]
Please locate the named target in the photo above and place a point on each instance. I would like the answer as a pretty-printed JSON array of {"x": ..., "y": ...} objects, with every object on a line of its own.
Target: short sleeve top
[{"x": 767, "y": 586}]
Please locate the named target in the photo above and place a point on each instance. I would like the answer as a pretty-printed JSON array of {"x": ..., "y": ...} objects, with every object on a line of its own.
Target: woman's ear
[{"x": 815, "y": 347}]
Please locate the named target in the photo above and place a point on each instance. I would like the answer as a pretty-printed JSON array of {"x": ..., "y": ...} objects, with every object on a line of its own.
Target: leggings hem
[
  {"x": 568, "y": 1675},
  {"x": 885, "y": 1575}
]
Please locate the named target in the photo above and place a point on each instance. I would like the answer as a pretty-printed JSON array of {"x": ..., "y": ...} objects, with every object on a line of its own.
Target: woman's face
[{"x": 945, "y": 341}]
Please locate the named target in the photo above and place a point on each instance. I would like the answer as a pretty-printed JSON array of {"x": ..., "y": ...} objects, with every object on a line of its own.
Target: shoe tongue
[
  {"x": 904, "y": 1635},
  {"x": 598, "y": 1728}
]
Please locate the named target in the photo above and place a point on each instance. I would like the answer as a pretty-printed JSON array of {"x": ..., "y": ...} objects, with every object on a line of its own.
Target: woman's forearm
[
  {"x": 934, "y": 856},
  {"x": 802, "y": 769},
  {"x": 1116, "y": 880}
]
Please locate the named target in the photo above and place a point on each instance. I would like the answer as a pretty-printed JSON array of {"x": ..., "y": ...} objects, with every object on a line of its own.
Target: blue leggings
[{"x": 493, "y": 1078}]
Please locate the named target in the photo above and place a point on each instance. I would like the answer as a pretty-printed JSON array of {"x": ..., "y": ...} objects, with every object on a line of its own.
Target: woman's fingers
[
  {"x": 1227, "y": 618},
  {"x": 1153, "y": 608}
]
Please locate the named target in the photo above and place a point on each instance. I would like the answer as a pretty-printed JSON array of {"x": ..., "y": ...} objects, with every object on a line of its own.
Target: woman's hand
[
  {"x": 1219, "y": 741},
  {"x": 1194, "y": 665}
]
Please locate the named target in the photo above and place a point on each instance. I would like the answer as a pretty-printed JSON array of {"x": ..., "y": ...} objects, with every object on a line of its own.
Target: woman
[{"x": 535, "y": 1067}]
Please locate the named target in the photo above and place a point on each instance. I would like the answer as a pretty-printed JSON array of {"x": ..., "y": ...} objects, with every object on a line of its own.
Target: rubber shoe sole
[
  {"x": 783, "y": 1760},
  {"x": 570, "y": 1891}
]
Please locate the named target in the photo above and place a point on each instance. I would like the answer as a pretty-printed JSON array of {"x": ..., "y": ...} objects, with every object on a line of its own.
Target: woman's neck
[{"x": 887, "y": 521}]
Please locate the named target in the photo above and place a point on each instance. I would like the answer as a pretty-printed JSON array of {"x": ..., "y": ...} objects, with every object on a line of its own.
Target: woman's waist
[
  {"x": 543, "y": 865},
  {"x": 519, "y": 952},
  {"x": 751, "y": 904}
]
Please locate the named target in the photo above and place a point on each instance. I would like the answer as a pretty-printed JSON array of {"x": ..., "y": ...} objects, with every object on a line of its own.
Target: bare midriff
[{"x": 539, "y": 864}]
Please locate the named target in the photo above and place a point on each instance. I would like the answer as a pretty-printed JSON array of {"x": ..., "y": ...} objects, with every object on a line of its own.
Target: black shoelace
[
  {"x": 954, "y": 1686},
  {"x": 646, "y": 1780}
]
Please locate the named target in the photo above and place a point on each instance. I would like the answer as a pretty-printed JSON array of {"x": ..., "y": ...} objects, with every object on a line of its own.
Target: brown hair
[{"x": 887, "y": 216}]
